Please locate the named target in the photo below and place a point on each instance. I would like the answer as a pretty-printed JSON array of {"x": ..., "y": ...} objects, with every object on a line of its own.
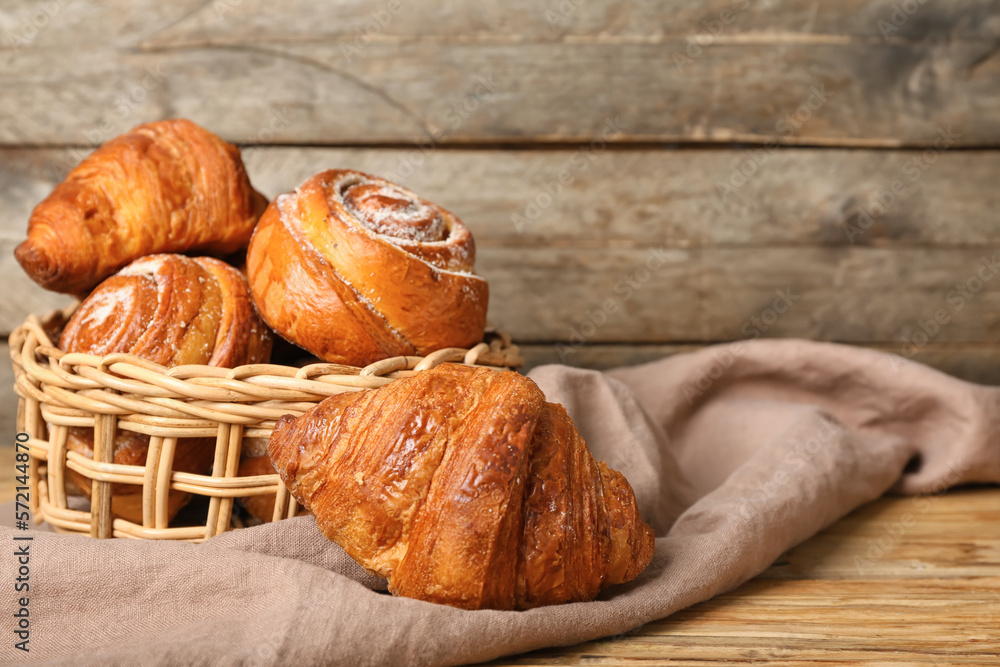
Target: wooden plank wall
[{"x": 642, "y": 177}]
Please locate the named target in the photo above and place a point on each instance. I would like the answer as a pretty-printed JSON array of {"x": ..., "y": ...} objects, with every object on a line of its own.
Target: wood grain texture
[
  {"x": 553, "y": 20},
  {"x": 505, "y": 74},
  {"x": 635, "y": 198},
  {"x": 557, "y": 263},
  {"x": 848, "y": 295},
  {"x": 931, "y": 596},
  {"x": 855, "y": 295},
  {"x": 156, "y": 24},
  {"x": 26, "y": 177},
  {"x": 673, "y": 198},
  {"x": 20, "y": 296}
]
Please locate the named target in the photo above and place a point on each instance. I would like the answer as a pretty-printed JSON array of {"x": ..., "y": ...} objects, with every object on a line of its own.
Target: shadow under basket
[{"x": 59, "y": 391}]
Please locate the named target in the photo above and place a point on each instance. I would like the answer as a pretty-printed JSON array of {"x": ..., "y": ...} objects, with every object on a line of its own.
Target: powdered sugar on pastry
[{"x": 346, "y": 239}]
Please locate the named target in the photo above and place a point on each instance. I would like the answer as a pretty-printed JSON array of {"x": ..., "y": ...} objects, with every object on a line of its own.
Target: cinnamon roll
[
  {"x": 354, "y": 269},
  {"x": 171, "y": 310}
]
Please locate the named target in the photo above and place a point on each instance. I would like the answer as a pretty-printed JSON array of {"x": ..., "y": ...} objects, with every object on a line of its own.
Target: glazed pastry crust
[
  {"x": 172, "y": 310},
  {"x": 168, "y": 186},
  {"x": 355, "y": 269},
  {"x": 462, "y": 486}
]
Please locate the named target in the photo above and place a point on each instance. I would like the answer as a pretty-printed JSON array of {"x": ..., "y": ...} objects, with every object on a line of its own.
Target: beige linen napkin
[{"x": 736, "y": 453}]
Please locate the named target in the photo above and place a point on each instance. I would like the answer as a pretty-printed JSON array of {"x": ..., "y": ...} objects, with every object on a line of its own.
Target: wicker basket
[{"x": 60, "y": 390}]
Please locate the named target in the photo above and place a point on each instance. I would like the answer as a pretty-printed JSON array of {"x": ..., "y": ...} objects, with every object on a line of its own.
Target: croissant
[
  {"x": 171, "y": 310},
  {"x": 463, "y": 486},
  {"x": 355, "y": 269},
  {"x": 168, "y": 186}
]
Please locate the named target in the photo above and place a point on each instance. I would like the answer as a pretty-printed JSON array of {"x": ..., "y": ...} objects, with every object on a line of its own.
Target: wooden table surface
[{"x": 900, "y": 581}]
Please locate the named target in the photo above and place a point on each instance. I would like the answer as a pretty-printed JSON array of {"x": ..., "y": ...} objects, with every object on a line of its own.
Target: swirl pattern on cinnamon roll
[
  {"x": 354, "y": 268},
  {"x": 168, "y": 186},
  {"x": 171, "y": 310}
]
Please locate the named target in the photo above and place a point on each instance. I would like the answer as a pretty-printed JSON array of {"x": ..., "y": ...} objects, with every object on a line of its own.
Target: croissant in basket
[
  {"x": 462, "y": 486},
  {"x": 355, "y": 269},
  {"x": 171, "y": 310},
  {"x": 168, "y": 186},
  {"x": 253, "y": 462}
]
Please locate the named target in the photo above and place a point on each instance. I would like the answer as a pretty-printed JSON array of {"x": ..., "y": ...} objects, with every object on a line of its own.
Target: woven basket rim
[
  {"x": 60, "y": 390},
  {"x": 209, "y": 393}
]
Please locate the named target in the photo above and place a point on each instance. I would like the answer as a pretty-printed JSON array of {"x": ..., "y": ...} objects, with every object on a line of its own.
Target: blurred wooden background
[{"x": 844, "y": 154}]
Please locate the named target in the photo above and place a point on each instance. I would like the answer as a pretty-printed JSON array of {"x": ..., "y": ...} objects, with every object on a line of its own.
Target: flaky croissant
[
  {"x": 168, "y": 186},
  {"x": 171, "y": 310},
  {"x": 354, "y": 269},
  {"x": 462, "y": 486}
]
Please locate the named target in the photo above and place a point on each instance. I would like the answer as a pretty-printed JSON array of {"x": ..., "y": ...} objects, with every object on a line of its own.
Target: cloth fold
[{"x": 736, "y": 453}]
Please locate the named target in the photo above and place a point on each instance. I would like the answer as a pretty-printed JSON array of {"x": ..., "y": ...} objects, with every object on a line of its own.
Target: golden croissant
[
  {"x": 171, "y": 310},
  {"x": 168, "y": 186},
  {"x": 355, "y": 269},
  {"x": 463, "y": 486}
]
